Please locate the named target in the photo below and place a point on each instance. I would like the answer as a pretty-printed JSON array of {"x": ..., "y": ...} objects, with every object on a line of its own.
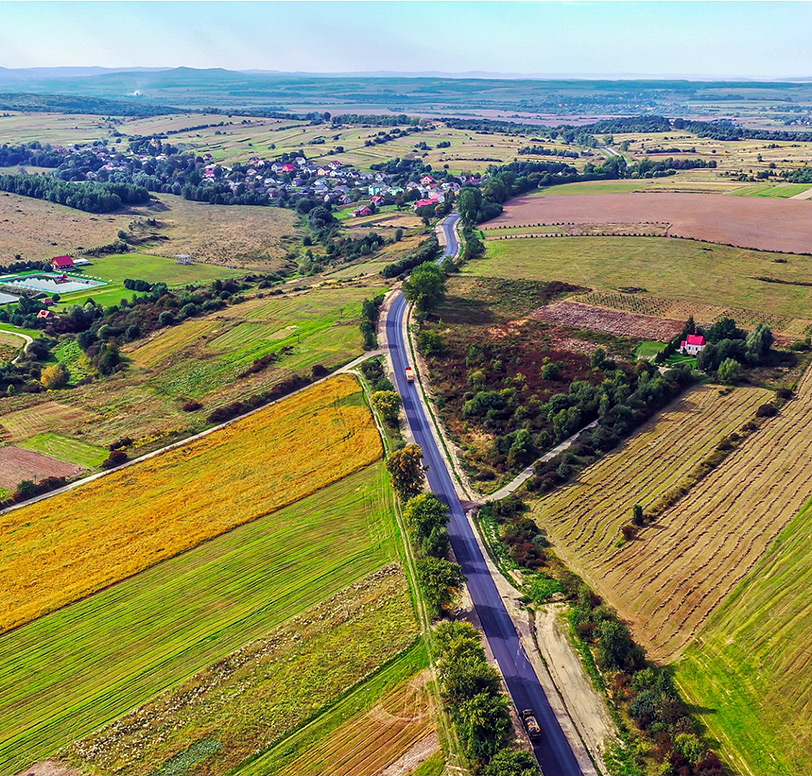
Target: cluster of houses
[
  {"x": 331, "y": 182},
  {"x": 334, "y": 183}
]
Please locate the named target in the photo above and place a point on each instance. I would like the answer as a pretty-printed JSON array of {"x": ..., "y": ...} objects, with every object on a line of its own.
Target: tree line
[{"x": 91, "y": 197}]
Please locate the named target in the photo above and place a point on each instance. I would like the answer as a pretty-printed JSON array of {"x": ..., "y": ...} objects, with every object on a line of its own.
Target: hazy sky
[{"x": 767, "y": 39}]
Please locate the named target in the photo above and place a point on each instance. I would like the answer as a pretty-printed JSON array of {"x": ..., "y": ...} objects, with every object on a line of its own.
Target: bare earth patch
[
  {"x": 17, "y": 465},
  {"x": 748, "y": 222},
  {"x": 584, "y": 316},
  {"x": 50, "y": 768}
]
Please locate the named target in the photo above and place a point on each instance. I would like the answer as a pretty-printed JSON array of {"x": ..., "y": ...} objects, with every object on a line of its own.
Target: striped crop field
[
  {"x": 65, "y": 448},
  {"x": 399, "y": 725},
  {"x": 25, "y": 423},
  {"x": 305, "y": 752},
  {"x": 79, "y": 541},
  {"x": 584, "y": 518},
  {"x": 229, "y": 713},
  {"x": 77, "y": 669},
  {"x": 749, "y": 670},
  {"x": 684, "y": 566}
]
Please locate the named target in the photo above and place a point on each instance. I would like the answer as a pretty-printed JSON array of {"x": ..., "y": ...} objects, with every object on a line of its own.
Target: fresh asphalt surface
[{"x": 553, "y": 750}]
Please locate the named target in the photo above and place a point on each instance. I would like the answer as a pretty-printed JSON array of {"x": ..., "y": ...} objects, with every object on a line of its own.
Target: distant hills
[{"x": 431, "y": 92}]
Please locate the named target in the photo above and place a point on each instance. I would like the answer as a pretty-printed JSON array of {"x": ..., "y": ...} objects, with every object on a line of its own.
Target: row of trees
[
  {"x": 645, "y": 692},
  {"x": 88, "y": 196},
  {"x": 471, "y": 691}
]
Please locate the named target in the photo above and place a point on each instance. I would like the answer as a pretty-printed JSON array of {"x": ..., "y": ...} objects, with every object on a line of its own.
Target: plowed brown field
[{"x": 765, "y": 224}]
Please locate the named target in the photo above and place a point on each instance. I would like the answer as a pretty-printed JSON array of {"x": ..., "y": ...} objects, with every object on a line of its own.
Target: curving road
[{"x": 553, "y": 750}]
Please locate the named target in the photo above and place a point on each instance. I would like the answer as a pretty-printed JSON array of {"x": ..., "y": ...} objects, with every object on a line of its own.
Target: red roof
[
  {"x": 62, "y": 261},
  {"x": 425, "y": 202},
  {"x": 695, "y": 339}
]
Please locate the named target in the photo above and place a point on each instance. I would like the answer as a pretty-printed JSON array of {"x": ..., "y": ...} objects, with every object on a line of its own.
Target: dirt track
[{"x": 747, "y": 222}]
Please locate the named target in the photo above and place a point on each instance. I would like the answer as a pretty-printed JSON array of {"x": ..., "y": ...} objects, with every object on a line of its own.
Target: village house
[
  {"x": 62, "y": 263},
  {"x": 692, "y": 344},
  {"x": 362, "y": 211}
]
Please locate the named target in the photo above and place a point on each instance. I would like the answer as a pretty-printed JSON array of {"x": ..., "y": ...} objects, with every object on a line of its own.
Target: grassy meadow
[
  {"x": 748, "y": 672},
  {"x": 158, "y": 628},
  {"x": 687, "y": 270},
  {"x": 79, "y": 541},
  {"x": 228, "y": 713}
]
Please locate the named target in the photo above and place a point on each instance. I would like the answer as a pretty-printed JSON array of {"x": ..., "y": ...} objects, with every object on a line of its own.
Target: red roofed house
[
  {"x": 363, "y": 211},
  {"x": 426, "y": 202},
  {"x": 62, "y": 262},
  {"x": 693, "y": 344},
  {"x": 45, "y": 314}
]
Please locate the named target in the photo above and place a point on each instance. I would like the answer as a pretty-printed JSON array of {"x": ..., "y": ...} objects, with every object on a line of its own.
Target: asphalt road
[{"x": 553, "y": 750}]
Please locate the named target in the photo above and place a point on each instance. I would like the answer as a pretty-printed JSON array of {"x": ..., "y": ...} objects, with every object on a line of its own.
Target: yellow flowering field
[{"x": 65, "y": 547}]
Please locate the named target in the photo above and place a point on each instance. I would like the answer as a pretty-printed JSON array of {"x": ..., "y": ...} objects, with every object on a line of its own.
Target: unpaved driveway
[{"x": 586, "y": 706}]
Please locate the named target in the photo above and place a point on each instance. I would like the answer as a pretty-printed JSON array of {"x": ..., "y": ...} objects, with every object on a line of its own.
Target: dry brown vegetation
[
  {"x": 236, "y": 236},
  {"x": 231, "y": 235},
  {"x": 764, "y": 224},
  {"x": 39, "y": 230},
  {"x": 623, "y": 324}
]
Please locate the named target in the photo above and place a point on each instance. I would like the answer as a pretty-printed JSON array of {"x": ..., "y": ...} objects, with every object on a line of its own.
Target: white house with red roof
[
  {"x": 692, "y": 344},
  {"x": 62, "y": 262}
]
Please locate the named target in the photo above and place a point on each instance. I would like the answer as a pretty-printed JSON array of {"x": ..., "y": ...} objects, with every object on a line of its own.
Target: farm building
[
  {"x": 62, "y": 262},
  {"x": 692, "y": 344},
  {"x": 362, "y": 211}
]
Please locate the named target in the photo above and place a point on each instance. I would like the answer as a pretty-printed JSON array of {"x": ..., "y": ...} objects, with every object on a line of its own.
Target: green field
[
  {"x": 689, "y": 270},
  {"x": 749, "y": 671},
  {"x": 648, "y": 349},
  {"x": 67, "y": 449},
  {"x": 782, "y": 190},
  {"x": 227, "y": 714},
  {"x": 69, "y": 672},
  {"x": 321, "y": 326}
]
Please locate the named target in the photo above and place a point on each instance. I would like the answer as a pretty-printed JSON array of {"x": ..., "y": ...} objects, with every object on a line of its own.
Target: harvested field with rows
[
  {"x": 584, "y": 518},
  {"x": 399, "y": 727},
  {"x": 74, "y": 670},
  {"x": 239, "y": 706},
  {"x": 669, "y": 580},
  {"x": 374, "y": 699},
  {"x": 757, "y": 643},
  {"x": 77, "y": 542},
  {"x": 622, "y": 324},
  {"x": 761, "y": 223},
  {"x": 697, "y": 273}
]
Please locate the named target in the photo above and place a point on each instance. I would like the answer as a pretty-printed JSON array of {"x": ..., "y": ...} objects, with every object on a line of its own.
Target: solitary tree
[
  {"x": 54, "y": 376},
  {"x": 729, "y": 371},
  {"x": 426, "y": 287},
  {"x": 388, "y": 404},
  {"x": 406, "y": 469}
]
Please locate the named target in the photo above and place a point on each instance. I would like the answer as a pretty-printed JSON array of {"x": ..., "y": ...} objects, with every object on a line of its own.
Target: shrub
[
  {"x": 116, "y": 458},
  {"x": 54, "y": 376},
  {"x": 766, "y": 411},
  {"x": 191, "y": 406}
]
